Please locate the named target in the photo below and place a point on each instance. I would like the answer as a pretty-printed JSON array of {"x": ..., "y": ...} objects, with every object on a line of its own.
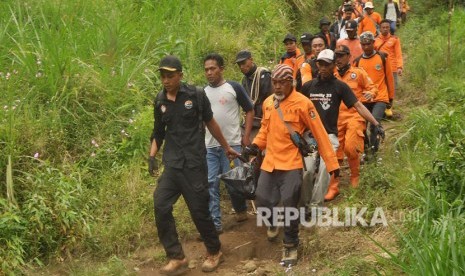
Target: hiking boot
[
  {"x": 331, "y": 194},
  {"x": 175, "y": 267},
  {"x": 388, "y": 112},
  {"x": 333, "y": 189},
  {"x": 354, "y": 180},
  {"x": 272, "y": 233},
  {"x": 289, "y": 255},
  {"x": 212, "y": 262},
  {"x": 241, "y": 216}
]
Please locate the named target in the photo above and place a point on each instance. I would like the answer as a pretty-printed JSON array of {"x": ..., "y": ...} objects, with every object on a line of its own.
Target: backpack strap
[{"x": 357, "y": 61}]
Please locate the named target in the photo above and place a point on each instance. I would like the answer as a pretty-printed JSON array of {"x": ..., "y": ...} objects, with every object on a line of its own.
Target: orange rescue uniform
[
  {"x": 354, "y": 46},
  {"x": 351, "y": 125},
  {"x": 281, "y": 153},
  {"x": 390, "y": 44},
  {"x": 295, "y": 62},
  {"x": 368, "y": 24},
  {"x": 380, "y": 75}
]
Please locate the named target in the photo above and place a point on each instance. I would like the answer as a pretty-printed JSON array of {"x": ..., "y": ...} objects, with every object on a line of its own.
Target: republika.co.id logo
[{"x": 321, "y": 216}]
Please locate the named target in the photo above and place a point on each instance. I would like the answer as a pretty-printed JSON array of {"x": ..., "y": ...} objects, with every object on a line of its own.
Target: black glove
[
  {"x": 251, "y": 149},
  {"x": 379, "y": 130},
  {"x": 336, "y": 173},
  {"x": 153, "y": 165},
  {"x": 389, "y": 105}
]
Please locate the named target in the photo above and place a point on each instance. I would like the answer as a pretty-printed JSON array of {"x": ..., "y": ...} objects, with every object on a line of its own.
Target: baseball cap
[
  {"x": 351, "y": 25},
  {"x": 306, "y": 38},
  {"x": 367, "y": 37},
  {"x": 289, "y": 37},
  {"x": 369, "y": 5},
  {"x": 243, "y": 55},
  {"x": 282, "y": 71},
  {"x": 325, "y": 21},
  {"x": 342, "y": 49},
  {"x": 170, "y": 63},
  {"x": 326, "y": 55}
]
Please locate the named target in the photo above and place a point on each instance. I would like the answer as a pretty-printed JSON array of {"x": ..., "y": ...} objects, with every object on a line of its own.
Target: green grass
[
  {"x": 78, "y": 80},
  {"x": 428, "y": 168}
]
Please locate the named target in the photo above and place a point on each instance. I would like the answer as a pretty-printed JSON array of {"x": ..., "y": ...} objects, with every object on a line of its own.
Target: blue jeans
[
  {"x": 218, "y": 163},
  {"x": 392, "y": 25}
]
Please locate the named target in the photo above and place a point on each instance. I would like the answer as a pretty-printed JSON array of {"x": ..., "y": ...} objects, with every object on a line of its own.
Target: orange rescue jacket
[
  {"x": 359, "y": 81},
  {"x": 354, "y": 46},
  {"x": 281, "y": 153},
  {"x": 294, "y": 62},
  {"x": 380, "y": 73},
  {"x": 390, "y": 44},
  {"x": 369, "y": 23}
]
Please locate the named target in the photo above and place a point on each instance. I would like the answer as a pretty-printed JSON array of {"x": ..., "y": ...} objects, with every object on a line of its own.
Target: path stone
[{"x": 250, "y": 266}]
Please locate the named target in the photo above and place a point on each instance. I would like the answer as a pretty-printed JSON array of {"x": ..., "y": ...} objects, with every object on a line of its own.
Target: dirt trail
[{"x": 245, "y": 246}]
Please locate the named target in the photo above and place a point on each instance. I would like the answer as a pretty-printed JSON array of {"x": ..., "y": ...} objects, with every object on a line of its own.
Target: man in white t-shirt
[
  {"x": 392, "y": 13},
  {"x": 348, "y": 14},
  {"x": 226, "y": 98}
]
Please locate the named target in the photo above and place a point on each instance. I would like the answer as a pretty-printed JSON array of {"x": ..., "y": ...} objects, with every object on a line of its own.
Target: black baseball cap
[
  {"x": 325, "y": 21},
  {"x": 289, "y": 37},
  {"x": 342, "y": 49},
  {"x": 351, "y": 25},
  {"x": 170, "y": 63},
  {"x": 306, "y": 38},
  {"x": 243, "y": 55}
]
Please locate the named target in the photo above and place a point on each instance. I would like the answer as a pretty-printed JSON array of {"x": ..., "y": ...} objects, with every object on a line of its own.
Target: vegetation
[
  {"x": 78, "y": 79},
  {"x": 430, "y": 162}
]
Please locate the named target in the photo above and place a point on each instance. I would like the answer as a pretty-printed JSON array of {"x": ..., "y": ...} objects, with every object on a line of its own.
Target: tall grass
[
  {"x": 433, "y": 137},
  {"x": 78, "y": 79}
]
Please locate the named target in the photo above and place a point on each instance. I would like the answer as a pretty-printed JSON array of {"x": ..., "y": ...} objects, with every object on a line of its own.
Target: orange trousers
[{"x": 351, "y": 143}]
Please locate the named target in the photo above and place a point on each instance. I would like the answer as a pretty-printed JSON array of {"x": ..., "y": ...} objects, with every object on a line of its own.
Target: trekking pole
[{"x": 253, "y": 207}]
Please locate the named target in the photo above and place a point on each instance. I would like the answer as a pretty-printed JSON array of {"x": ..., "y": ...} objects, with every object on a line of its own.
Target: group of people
[{"x": 323, "y": 96}]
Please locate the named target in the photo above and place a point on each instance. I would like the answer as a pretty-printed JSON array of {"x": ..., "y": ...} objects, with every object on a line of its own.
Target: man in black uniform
[
  {"x": 330, "y": 37},
  {"x": 180, "y": 112},
  {"x": 257, "y": 83},
  {"x": 327, "y": 93}
]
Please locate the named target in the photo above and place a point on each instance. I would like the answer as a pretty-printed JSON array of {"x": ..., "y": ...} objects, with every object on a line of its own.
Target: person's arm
[
  {"x": 360, "y": 27},
  {"x": 399, "y": 59},
  {"x": 157, "y": 137},
  {"x": 249, "y": 115},
  {"x": 365, "y": 113},
  {"x": 215, "y": 130},
  {"x": 306, "y": 73},
  {"x": 370, "y": 90},
  {"x": 159, "y": 130},
  {"x": 397, "y": 11}
]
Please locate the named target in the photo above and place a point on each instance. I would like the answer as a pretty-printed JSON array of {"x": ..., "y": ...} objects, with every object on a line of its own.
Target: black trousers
[
  {"x": 192, "y": 184},
  {"x": 281, "y": 186}
]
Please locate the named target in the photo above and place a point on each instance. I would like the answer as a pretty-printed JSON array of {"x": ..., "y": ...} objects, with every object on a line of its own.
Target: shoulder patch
[
  {"x": 312, "y": 114},
  {"x": 353, "y": 76}
]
